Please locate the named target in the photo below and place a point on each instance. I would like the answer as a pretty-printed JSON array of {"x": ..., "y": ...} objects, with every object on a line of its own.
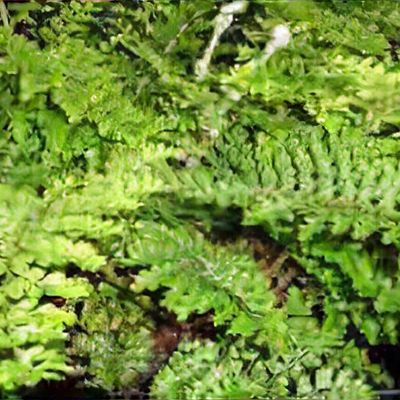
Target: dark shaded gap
[{"x": 388, "y": 356}]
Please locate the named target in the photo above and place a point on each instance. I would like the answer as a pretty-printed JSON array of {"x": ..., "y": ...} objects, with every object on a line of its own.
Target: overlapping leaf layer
[{"x": 142, "y": 142}]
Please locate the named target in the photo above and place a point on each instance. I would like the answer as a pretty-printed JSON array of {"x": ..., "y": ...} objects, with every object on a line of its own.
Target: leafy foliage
[
  {"x": 117, "y": 342},
  {"x": 117, "y": 158},
  {"x": 32, "y": 332},
  {"x": 275, "y": 346},
  {"x": 212, "y": 370}
]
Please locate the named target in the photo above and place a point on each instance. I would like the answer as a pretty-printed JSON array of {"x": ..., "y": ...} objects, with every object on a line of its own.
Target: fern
[
  {"x": 32, "y": 332},
  {"x": 115, "y": 157},
  {"x": 315, "y": 191},
  {"x": 197, "y": 278}
]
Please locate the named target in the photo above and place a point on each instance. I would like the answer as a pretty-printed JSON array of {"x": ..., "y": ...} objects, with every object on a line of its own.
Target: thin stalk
[
  {"x": 4, "y": 14},
  {"x": 222, "y": 22}
]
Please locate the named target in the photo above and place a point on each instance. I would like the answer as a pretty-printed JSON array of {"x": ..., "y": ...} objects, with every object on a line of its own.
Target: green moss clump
[
  {"x": 142, "y": 141},
  {"x": 115, "y": 340}
]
